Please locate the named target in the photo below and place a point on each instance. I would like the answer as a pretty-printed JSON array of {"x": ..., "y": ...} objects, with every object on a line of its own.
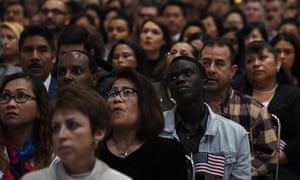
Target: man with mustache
[
  {"x": 37, "y": 55},
  {"x": 217, "y": 59}
]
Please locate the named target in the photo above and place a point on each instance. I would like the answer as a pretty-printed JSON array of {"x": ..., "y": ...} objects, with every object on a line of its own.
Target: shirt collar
[
  {"x": 202, "y": 122},
  {"x": 47, "y": 82}
]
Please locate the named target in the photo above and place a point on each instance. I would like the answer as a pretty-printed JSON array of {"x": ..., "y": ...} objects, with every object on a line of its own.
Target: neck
[
  {"x": 86, "y": 165},
  {"x": 191, "y": 120},
  {"x": 264, "y": 88},
  {"x": 153, "y": 55},
  {"x": 123, "y": 143},
  {"x": 20, "y": 136}
]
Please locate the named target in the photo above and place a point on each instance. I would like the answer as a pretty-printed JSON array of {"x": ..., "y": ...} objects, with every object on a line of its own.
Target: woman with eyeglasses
[
  {"x": 25, "y": 128},
  {"x": 77, "y": 128},
  {"x": 133, "y": 147}
]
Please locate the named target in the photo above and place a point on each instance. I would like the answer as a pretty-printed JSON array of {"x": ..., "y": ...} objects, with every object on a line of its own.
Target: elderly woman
[
  {"x": 77, "y": 127},
  {"x": 133, "y": 147},
  {"x": 268, "y": 83},
  {"x": 25, "y": 144}
]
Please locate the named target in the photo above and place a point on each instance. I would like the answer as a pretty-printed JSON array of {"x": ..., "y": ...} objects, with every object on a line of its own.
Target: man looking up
[{"x": 205, "y": 135}]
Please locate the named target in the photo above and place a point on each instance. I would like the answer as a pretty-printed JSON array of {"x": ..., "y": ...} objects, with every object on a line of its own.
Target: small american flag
[
  {"x": 282, "y": 145},
  {"x": 209, "y": 163}
]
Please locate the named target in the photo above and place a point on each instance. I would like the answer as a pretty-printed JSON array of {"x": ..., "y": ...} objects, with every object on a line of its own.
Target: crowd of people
[{"x": 150, "y": 89}]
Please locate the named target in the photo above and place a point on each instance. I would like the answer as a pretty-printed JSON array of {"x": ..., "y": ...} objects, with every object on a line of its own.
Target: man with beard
[
  {"x": 216, "y": 147},
  {"x": 54, "y": 15},
  {"x": 37, "y": 55}
]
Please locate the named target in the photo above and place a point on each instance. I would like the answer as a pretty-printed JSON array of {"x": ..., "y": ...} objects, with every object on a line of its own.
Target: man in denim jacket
[{"x": 216, "y": 148}]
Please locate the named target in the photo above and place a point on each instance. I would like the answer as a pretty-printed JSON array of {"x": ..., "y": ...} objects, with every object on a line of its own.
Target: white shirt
[{"x": 47, "y": 82}]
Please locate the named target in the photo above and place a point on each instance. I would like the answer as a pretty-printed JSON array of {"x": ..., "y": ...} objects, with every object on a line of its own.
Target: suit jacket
[{"x": 52, "y": 88}]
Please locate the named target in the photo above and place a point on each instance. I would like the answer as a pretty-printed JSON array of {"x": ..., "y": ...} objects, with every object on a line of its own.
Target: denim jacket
[{"x": 223, "y": 137}]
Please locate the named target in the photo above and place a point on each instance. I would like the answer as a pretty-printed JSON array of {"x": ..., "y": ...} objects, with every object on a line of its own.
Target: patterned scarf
[{"x": 19, "y": 163}]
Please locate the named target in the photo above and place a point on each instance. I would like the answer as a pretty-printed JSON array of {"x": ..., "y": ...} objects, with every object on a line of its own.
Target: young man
[{"x": 216, "y": 147}]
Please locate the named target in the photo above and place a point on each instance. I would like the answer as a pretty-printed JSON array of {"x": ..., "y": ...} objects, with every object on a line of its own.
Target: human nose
[
  {"x": 62, "y": 133},
  {"x": 35, "y": 54}
]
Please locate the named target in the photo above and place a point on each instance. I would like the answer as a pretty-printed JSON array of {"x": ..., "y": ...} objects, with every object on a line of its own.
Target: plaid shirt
[{"x": 255, "y": 118}]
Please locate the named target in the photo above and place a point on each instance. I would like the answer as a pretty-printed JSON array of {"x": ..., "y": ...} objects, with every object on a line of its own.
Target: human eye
[
  {"x": 145, "y": 31},
  {"x": 128, "y": 92},
  {"x": 262, "y": 57},
  {"x": 205, "y": 62},
  {"x": 120, "y": 29},
  {"x": 172, "y": 76},
  {"x": 288, "y": 51},
  {"x": 172, "y": 52},
  {"x": 110, "y": 29},
  {"x": 249, "y": 60},
  {"x": 72, "y": 125},
  {"x": 220, "y": 63},
  {"x": 112, "y": 93},
  {"x": 126, "y": 55},
  {"x": 116, "y": 56},
  {"x": 188, "y": 72},
  {"x": 21, "y": 96},
  {"x": 43, "y": 49},
  {"x": 5, "y": 97},
  {"x": 77, "y": 70},
  {"x": 27, "y": 49},
  {"x": 156, "y": 32},
  {"x": 184, "y": 53},
  {"x": 55, "y": 128}
]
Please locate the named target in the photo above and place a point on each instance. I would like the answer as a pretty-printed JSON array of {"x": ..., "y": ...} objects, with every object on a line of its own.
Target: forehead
[
  {"x": 123, "y": 47},
  {"x": 54, "y": 4},
  {"x": 123, "y": 82},
  {"x": 182, "y": 46},
  {"x": 118, "y": 22},
  {"x": 217, "y": 52},
  {"x": 74, "y": 58},
  {"x": 14, "y": 7},
  {"x": 263, "y": 51},
  {"x": 181, "y": 65},
  {"x": 19, "y": 84},
  {"x": 151, "y": 24},
  {"x": 35, "y": 40},
  {"x": 172, "y": 8}
]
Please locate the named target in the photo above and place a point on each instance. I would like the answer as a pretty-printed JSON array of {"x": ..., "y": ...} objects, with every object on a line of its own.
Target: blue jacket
[{"x": 222, "y": 136}]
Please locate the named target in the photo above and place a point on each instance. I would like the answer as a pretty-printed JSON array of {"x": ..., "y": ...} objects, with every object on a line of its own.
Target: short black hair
[
  {"x": 179, "y": 4},
  {"x": 190, "y": 59},
  {"x": 37, "y": 30}
]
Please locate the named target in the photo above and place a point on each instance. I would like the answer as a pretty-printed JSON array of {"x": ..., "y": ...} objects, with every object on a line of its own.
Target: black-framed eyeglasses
[
  {"x": 19, "y": 98},
  {"x": 125, "y": 92},
  {"x": 53, "y": 11}
]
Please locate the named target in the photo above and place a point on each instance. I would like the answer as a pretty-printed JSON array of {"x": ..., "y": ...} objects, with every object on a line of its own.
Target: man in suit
[{"x": 38, "y": 55}]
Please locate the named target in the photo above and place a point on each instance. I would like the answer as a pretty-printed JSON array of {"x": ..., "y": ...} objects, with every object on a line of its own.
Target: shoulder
[
  {"x": 219, "y": 124},
  {"x": 244, "y": 99},
  {"x": 39, "y": 174},
  {"x": 109, "y": 173}
]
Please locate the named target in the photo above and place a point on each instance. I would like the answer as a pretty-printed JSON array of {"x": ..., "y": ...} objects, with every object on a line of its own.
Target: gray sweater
[{"x": 101, "y": 171}]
